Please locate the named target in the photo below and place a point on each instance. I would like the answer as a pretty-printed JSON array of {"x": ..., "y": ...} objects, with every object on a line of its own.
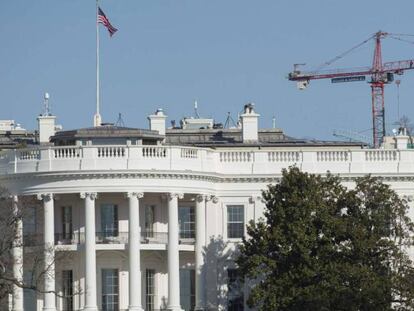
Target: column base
[
  {"x": 174, "y": 308},
  {"x": 90, "y": 309},
  {"x": 135, "y": 309},
  {"x": 48, "y": 309}
]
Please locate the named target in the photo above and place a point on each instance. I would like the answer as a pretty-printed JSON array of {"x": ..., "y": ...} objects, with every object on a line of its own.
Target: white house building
[{"x": 151, "y": 219}]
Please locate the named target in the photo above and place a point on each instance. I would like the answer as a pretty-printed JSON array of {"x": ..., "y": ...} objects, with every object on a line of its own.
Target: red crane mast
[{"x": 381, "y": 74}]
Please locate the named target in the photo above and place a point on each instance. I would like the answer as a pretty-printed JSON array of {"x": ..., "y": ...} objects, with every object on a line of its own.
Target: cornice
[{"x": 179, "y": 175}]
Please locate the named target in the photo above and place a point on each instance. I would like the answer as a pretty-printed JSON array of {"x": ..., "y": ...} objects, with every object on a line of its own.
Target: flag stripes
[{"x": 102, "y": 19}]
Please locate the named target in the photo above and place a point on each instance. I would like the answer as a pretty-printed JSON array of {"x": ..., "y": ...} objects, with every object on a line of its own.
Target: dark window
[
  {"x": 187, "y": 289},
  {"x": 149, "y": 289},
  {"x": 149, "y": 221},
  {"x": 67, "y": 229},
  {"x": 187, "y": 223},
  {"x": 67, "y": 290},
  {"x": 110, "y": 290},
  {"x": 109, "y": 220},
  {"x": 235, "y": 221},
  {"x": 235, "y": 297}
]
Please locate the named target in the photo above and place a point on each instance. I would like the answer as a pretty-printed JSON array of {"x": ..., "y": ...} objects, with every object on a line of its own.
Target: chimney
[
  {"x": 46, "y": 122},
  {"x": 157, "y": 121},
  {"x": 250, "y": 124},
  {"x": 401, "y": 140}
]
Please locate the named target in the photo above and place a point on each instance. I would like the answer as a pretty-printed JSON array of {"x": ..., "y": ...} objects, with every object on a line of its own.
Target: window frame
[
  {"x": 67, "y": 290},
  {"x": 150, "y": 297},
  {"x": 114, "y": 231},
  {"x": 239, "y": 291},
  {"x": 191, "y": 232},
  {"x": 228, "y": 223},
  {"x": 115, "y": 294}
]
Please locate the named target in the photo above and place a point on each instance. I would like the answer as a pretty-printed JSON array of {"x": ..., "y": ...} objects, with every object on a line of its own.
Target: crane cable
[{"x": 329, "y": 62}]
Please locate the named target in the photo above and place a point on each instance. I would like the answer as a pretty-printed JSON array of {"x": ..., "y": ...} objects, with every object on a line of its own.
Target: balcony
[
  {"x": 78, "y": 238},
  {"x": 204, "y": 160}
]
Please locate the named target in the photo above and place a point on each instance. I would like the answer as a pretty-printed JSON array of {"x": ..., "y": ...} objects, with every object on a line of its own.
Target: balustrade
[
  {"x": 111, "y": 152},
  {"x": 283, "y": 156},
  {"x": 154, "y": 152},
  {"x": 229, "y": 161}
]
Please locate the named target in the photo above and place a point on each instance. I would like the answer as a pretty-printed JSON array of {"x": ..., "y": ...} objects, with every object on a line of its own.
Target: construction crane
[{"x": 380, "y": 74}]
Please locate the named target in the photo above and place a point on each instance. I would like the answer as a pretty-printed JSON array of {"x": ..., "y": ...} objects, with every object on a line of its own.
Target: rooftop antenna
[
  {"x": 46, "y": 105},
  {"x": 196, "y": 110},
  {"x": 274, "y": 122},
  {"x": 120, "y": 121},
  {"x": 229, "y": 121}
]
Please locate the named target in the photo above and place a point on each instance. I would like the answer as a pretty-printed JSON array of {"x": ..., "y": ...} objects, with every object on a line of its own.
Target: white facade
[{"x": 168, "y": 209}]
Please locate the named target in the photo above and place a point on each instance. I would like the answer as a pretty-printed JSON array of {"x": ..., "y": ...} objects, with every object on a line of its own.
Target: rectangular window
[
  {"x": 109, "y": 220},
  {"x": 186, "y": 221},
  {"x": 110, "y": 290},
  {"x": 29, "y": 220},
  {"x": 149, "y": 290},
  {"x": 235, "y": 221},
  {"x": 67, "y": 229},
  {"x": 30, "y": 236},
  {"x": 187, "y": 289},
  {"x": 235, "y": 297},
  {"x": 67, "y": 290},
  {"x": 29, "y": 295},
  {"x": 149, "y": 221}
]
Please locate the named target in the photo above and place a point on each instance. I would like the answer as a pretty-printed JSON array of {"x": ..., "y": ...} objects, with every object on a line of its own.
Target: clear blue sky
[{"x": 223, "y": 53}]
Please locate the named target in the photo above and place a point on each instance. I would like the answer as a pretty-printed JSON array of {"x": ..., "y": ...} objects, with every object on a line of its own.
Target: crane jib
[{"x": 348, "y": 79}]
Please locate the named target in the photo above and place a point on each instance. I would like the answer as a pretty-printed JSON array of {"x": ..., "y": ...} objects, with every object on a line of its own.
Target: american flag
[{"x": 105, "y": 21}]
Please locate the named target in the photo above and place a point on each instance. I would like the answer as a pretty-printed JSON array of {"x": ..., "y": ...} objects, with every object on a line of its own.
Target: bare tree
[{"x": 16, "y": 247}]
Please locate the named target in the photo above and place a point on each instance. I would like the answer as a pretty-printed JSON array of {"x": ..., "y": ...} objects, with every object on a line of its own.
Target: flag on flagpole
[{"x": 102, "y": 19}]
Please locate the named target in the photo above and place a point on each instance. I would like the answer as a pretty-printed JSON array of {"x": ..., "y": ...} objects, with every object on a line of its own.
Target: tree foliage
[{"x": 323, "y": 246}]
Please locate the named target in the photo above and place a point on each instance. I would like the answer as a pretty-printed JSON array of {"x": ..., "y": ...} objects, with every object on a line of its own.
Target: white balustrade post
[
  {"x": 173, "y": 253},
  {"x": 49, "y": 301},
  {"x": 90, "y": 251},
  {"x": 17, "y": 253},
  {"x": 134, "y": 236},
  {"x": 200, "y": 279}
]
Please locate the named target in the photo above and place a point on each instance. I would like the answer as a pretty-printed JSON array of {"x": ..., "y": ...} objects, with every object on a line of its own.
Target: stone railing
[{"x": 203, "y": 160}]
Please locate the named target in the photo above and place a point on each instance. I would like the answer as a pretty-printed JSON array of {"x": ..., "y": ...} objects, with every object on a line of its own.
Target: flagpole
[{"x": 97, "y": 118}]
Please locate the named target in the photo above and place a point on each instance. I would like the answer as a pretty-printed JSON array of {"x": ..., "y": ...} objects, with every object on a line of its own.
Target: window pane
[
  {"x": 235, "y": 221},
  {"x": 67, "y": 289},
  {"x": 187, "y": 289},
  {"x": 149, "y": 220},
  {"x": 235, "y": 297},
  {"x": 67, "y": 222},
  {"x": 110, "y": 290},
  {"x": 187, "y": 223},
  {"x": 109, "y": 220},
  {"x": 149, "y": 289}
]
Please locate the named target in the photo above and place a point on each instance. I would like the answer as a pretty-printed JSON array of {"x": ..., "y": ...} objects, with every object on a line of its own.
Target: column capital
[
  {"x": 173, "y": 195},
  {"x": 202, "y": 197},
  {"x": 45, "y": 197},
  {"x": 132, "y": 194},
  {"x": 90, "y": 195},
  {"x": 255, "y": 198},
  {"x": 214, "y": 199}
]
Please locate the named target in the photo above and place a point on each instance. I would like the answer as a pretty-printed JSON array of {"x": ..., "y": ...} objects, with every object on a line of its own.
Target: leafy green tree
[{"x": 323, "y": 246}]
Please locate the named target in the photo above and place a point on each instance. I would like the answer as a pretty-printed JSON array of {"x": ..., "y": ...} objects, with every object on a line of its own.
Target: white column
[
  {"x": 90, "y": 251},
  {"x": 134, "y": 236},
  {"x": 49, "y": 300},
  {"x": 17, "y": 253},
  {"x": 173, "y": 253},
  {"x": 199, "y": 252}
]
